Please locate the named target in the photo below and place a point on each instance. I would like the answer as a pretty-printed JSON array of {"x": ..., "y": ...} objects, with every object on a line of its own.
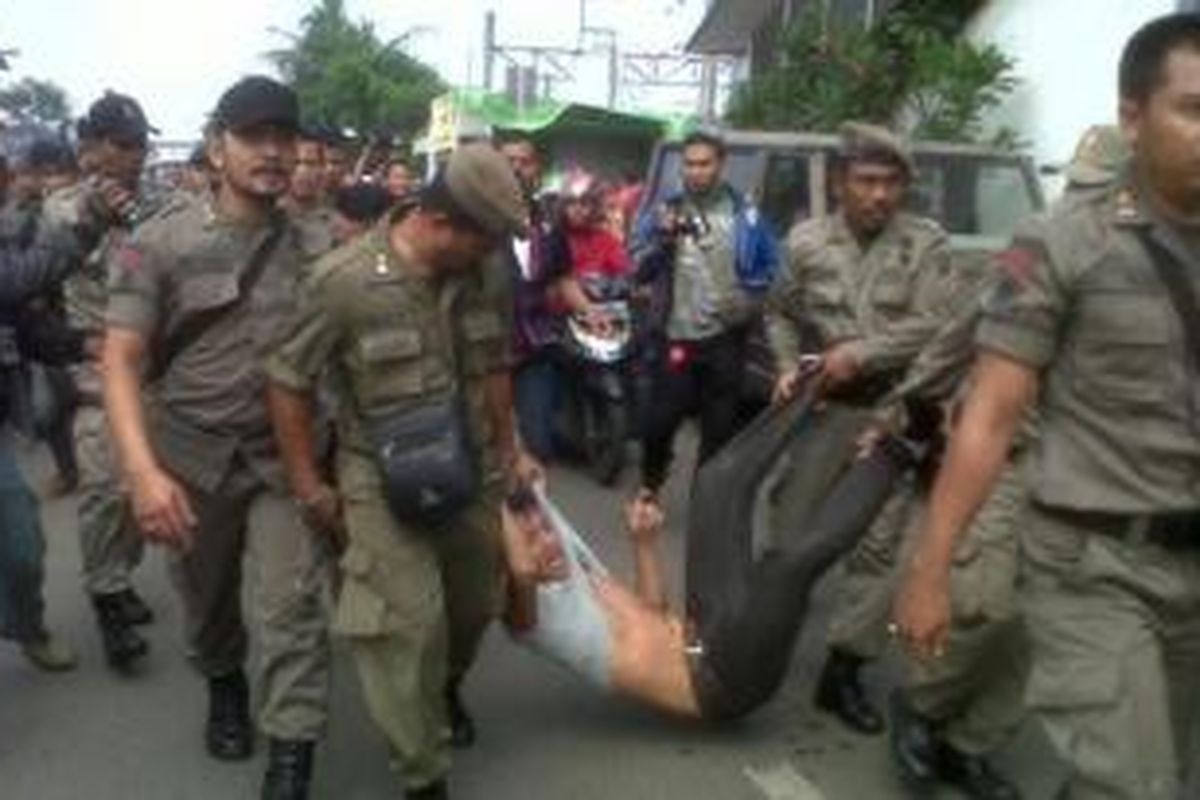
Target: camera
[{"x": 681, "y": 221}]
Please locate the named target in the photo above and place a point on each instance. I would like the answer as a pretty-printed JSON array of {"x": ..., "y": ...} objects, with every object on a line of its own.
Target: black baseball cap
[
  {"x": 116, "y": 116},
  {"x": 257, "y": 100}
]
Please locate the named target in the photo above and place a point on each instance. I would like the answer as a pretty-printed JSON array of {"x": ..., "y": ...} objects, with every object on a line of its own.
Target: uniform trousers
[
  {"x": 1115, "y": 631},
  {"x": 109, "y": 543},
  {"x": 414, "y": 605},
  {"x": 245, "y": 518},
  {"x": 973, "y": 691}
]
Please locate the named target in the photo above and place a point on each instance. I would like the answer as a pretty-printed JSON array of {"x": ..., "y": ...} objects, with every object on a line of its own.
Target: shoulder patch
[
  {"x": 1020, "y": 259},
  {"x": 128, "y": 257}
]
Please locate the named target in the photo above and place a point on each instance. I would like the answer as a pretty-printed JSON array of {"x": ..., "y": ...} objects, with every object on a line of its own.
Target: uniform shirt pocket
[
  {"x": 1121, "y": 354},
  {"x": 892, "y": 292},
  {"x": 390, "y": 366}
]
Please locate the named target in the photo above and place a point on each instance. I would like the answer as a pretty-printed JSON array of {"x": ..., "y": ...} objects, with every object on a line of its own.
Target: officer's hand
[
  {"x": 839, "y": 366},
  {"x": 321, "y": 512},
  {"x": 785, "y": 387},
  {"x": 162, "y": 510},
  {"x": 668, "y": 220},
  {"x": 921, "y": 617},
  {"x": 117, "y": 200}
]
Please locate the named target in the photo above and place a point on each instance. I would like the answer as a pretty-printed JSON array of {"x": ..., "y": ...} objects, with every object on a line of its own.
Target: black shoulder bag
[
  {"x": 429, "y": 466},
  {"x": 196, "y": 326}
]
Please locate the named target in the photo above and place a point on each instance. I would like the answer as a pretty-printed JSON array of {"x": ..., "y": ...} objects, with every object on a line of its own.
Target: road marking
[{"x": 783, "y": 782}]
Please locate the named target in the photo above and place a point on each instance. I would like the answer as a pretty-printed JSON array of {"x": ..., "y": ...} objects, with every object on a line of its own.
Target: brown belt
[{"x": 1176, "y": 530}]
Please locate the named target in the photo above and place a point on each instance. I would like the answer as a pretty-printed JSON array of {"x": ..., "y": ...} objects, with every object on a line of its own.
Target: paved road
[{"x": 543, "y": 735}]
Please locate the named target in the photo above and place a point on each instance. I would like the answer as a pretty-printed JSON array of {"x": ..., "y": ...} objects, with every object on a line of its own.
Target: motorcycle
[{"x": 597, "y": 413}]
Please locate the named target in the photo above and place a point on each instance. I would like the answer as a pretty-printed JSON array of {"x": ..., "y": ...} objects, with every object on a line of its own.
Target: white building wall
[{"x": 1066, "y": 53}]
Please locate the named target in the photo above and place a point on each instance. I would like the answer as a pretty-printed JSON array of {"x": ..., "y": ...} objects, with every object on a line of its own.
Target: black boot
[
  {"x": 973, "y": 775},
  {"x": 840, "y": 693},
  {"x": 289, "y": 770},
  {"x": 462, "y": 727},
  {"x": 123, "y": 646},
  {"x": 434, "y": 791},
  {"x": 914, "y": 748},
  {"x": 228, "y": 734},
  {"x": 134, "y": 608}
]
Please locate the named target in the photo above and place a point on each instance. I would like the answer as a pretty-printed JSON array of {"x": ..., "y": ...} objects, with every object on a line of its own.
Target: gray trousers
[
  {"x": 245, "y": 519},
  {"x": 1115, "y": 629},
  {"x": 974, "y": 690},
  {"x": 109, "y": 543}
]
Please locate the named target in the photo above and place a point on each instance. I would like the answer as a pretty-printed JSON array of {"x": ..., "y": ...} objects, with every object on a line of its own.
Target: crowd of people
[{"x": 299, "y": 366}]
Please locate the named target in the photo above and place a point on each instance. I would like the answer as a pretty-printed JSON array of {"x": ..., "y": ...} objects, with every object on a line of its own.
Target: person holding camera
[{"x": 709, "y": 259}]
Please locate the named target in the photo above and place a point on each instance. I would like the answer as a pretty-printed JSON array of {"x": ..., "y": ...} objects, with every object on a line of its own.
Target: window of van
[
  {"x": 786, "y": 196},
  {"x": 980, "y": 201}
]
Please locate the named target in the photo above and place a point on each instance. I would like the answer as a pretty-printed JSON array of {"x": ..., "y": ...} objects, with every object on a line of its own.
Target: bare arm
[
  {"x": 644, "y": 521},
  {"x": 1001, "y": 391},
  {"x": 571, "y": 293},
  {"x": 160, "y": 504},
  {"x": 292, "y": 418}
]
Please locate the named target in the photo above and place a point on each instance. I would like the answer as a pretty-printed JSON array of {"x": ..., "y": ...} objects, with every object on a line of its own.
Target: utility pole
[
  {"x": 489, "y": 49},
  {"x": 548, "y": 66}
]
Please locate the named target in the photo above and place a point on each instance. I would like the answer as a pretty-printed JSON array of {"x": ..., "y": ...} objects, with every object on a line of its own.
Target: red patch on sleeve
[
  {"x": 1018, "y": 263},
  {"x": 129, "y": 258}
]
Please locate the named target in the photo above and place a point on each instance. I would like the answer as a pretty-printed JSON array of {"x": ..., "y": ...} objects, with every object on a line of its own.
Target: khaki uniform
[
  {"x": 110, "y": 545},
  {"x": 209, "y": 427},
  {"x": 890, "y": 298},
  {"x": 1111, "y": 608},
  {"x": 412, "y": 600},
  {"x": 973, "y": 693}
]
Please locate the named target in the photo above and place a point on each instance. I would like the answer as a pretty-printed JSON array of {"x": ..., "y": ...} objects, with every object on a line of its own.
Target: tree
[
  {"x": 346, "y": 76},
  {"x": 912, "y": 67},
  {"x": 36, "y": 100}
]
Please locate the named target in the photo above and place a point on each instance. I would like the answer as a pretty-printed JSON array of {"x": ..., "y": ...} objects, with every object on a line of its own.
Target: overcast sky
[{"x": 177, "y": 57}]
